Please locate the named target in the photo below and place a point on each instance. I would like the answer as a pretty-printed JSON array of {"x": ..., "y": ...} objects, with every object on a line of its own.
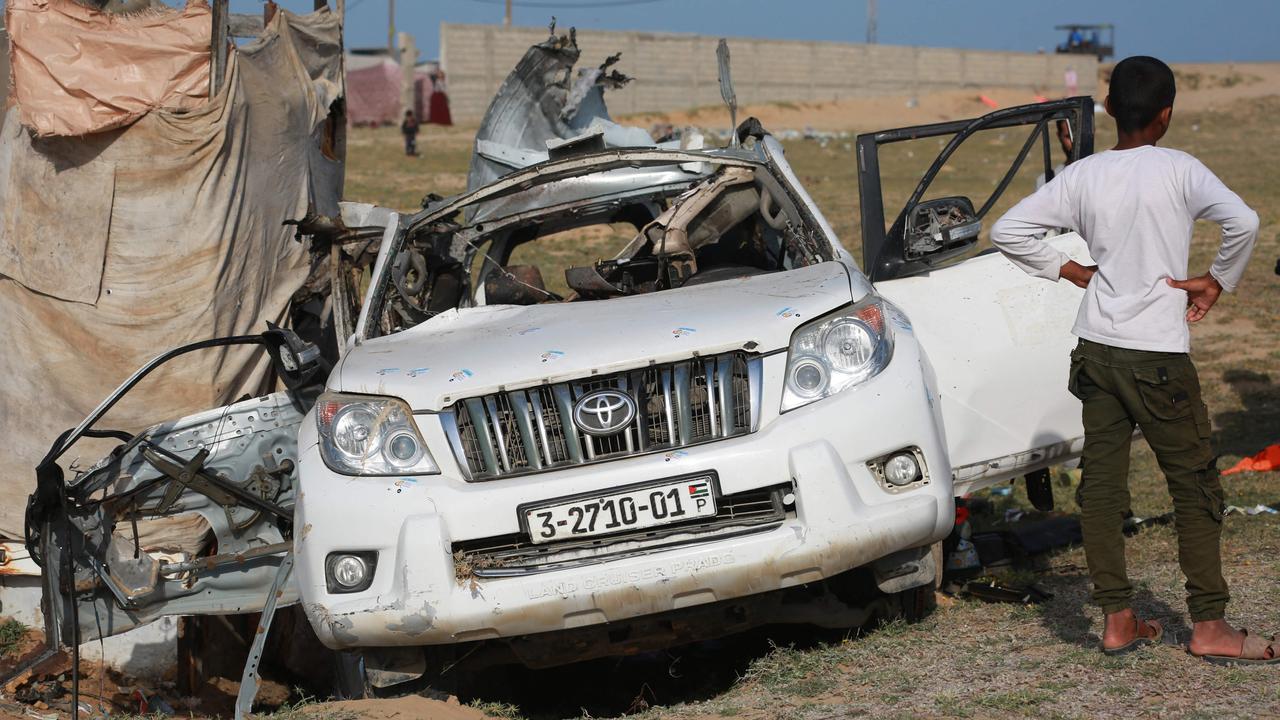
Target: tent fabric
[
  {"x": 178, "y": 219},
  {"x": 373, "y": 94},
  {"x": 77, "y": 71}
]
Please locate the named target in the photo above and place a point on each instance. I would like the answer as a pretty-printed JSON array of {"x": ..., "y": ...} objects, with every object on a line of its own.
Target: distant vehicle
[{"x": 1088, "y": 40}]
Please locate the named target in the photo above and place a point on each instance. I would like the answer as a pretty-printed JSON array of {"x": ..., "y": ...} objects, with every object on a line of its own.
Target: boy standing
[
  {"x": 409, "y": 128},
  {"x": 1135, "y": 206}
]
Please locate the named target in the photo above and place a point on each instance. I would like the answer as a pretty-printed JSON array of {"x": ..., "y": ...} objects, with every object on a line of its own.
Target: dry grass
[{"x": 970, "y": 659}]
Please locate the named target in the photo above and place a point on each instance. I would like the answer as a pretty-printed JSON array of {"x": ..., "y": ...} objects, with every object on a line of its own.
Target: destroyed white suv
[
  {"x": 726, "y": 416},
  {"x": 726, "y": 408}
]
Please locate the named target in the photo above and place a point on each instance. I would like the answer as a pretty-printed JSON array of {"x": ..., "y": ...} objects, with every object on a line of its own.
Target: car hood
[{"x": 464, "y": 353}]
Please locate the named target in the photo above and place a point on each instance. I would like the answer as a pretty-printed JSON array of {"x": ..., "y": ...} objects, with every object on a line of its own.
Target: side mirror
[{"x": 940, "y": 229}]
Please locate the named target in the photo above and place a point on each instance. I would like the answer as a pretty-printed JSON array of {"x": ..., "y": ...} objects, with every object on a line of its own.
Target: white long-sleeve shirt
[{"x": 1135, "y": 209}]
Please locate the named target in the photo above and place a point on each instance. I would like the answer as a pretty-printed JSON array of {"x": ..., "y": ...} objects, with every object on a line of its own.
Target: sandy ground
[
  {"x": 404, "y": 708},
  {"x": 1201, "y": 87}
]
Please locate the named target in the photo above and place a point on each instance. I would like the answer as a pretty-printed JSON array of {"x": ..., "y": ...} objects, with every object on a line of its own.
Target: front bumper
[{"x": 843, "y": 518}]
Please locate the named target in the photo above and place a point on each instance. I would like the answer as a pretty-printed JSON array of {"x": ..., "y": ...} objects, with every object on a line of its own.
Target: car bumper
[{"x": 843, "y": 518}]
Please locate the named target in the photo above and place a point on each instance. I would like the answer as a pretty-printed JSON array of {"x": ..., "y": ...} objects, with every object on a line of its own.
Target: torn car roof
[{"x": 540, "y": 103}]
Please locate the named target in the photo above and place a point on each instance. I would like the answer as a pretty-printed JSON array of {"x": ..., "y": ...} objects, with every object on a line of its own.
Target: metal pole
[
  {"x": 871, "y": 22},
  {"x": 218, "y": 46},
  {"x": 506, "y": 18},
  {"x": 249, "y": 678},
  {"x": 391, "y": 26}
]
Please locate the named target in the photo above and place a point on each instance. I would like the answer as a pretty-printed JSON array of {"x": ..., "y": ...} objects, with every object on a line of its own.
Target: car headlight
[
  {"x": 836, "y": 352},
  {"x": 370, "y": 435}
]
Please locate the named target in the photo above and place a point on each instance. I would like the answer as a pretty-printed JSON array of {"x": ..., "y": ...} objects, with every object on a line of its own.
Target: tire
[
  {"x": 916, "y": 604},
  {"x": 349, "y": 679}
]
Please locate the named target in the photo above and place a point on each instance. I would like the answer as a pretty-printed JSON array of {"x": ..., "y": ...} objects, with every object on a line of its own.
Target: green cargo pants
[{"x": 1159, "y": 393}]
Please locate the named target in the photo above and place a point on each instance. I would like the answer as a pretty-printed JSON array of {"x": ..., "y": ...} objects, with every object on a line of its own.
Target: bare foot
[
  {"x": 1215, "y": 637},
  {"x": 1124, "y": 627}
]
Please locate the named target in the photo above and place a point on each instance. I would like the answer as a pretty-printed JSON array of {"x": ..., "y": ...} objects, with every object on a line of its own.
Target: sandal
[
  {"x": 1253, "y": 651},
  {"x": 1138, "y": 642}
]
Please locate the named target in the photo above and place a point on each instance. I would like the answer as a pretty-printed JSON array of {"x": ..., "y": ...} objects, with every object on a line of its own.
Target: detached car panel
[{"x": 191, "y": 516}]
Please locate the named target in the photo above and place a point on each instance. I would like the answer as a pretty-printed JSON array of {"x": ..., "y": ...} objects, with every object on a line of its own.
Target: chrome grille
[{"x": 677, "y": 405}]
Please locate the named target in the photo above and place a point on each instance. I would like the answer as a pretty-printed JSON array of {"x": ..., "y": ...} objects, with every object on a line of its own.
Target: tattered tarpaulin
[
  {"x": 117, "y": 246},
  {"x": 78, "y": 71}
]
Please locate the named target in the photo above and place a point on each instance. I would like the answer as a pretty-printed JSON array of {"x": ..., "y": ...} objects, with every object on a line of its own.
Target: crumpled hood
[{"x": 465, "y": 353}]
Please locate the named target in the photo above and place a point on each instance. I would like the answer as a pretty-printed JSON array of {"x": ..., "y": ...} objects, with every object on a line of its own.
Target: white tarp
[{"x": 119, "y": 245}]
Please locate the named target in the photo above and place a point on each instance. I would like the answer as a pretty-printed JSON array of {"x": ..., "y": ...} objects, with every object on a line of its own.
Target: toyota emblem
[{"x": 604, "y": 412}]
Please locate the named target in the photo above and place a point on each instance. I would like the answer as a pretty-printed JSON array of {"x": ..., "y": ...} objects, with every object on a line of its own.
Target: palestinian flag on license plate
[{"x": 701, "y": 489}]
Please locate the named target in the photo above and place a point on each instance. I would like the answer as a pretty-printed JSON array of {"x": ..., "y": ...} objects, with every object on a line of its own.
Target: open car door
[
  {"x": 192, "y": 516},
  {"x": 998, "y": 339}
]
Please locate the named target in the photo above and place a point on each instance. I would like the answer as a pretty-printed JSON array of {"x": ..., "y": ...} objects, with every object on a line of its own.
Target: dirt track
[{"x": 1204, "y": 87}]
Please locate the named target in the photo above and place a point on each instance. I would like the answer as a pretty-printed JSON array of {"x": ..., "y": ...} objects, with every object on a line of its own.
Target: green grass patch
[{"x": 11, "y": 634}]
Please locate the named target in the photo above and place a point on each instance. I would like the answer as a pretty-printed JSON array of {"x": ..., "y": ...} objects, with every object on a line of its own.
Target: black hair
[{"x": 1141, "y": 86}]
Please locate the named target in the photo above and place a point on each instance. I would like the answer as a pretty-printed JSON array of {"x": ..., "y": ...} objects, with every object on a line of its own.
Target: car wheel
[
  {"x": 349, "y": 678},
  {"x": 915, "y": 604}
]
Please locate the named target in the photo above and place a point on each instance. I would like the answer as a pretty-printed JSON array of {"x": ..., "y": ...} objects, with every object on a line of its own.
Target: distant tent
[{"x": 373, "y": 91}]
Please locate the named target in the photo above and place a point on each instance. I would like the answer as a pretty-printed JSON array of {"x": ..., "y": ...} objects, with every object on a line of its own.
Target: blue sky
[{"x": 1174, "y": 30}]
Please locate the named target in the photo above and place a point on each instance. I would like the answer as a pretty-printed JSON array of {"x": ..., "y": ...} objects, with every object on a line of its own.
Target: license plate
[{"x": 658, "y": 504}]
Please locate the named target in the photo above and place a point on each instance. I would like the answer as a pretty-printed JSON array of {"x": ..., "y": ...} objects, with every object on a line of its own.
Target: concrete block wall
[{"x": 675, "y": 71}]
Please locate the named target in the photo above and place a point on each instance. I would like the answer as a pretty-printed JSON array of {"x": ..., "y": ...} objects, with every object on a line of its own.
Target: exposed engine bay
[{"x": 734, "y": 222}]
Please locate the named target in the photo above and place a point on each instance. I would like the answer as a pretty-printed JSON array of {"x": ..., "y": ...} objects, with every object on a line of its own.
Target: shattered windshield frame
[{"x": 681, "y": 203}]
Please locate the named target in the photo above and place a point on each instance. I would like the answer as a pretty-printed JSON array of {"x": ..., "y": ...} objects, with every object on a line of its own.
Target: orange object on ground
[
  {"x": 988, "y": 101},
  {"x": 1265, "y": 461}
]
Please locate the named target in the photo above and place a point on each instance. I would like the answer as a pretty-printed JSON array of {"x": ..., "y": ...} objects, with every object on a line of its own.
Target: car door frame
[
  {"x": 884, "y": 253},
  {"x": 65, "y": 521}
]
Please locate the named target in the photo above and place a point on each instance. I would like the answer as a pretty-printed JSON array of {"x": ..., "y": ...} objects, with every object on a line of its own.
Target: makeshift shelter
[
  {"x": 137, "y": 215},
  {"x": 373, "y": 91}
]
